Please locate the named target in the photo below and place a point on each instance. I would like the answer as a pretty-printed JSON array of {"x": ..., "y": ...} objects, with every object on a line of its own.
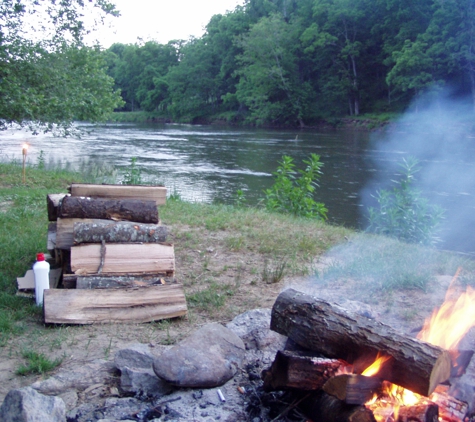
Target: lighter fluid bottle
[{"x": 41, "y": 271}]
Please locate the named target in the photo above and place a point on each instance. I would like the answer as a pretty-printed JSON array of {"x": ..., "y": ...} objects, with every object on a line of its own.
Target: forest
[{"x": 298, "y": 62}]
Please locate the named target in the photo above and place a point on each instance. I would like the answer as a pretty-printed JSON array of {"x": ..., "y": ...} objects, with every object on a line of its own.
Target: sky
[{"x": 160, "y": 20}]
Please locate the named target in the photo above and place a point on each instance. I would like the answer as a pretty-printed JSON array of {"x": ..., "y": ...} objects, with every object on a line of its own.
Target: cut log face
[
  {"x": 146, "y": 304},
  {"x": 123, "y": 258},
  {"x": 330, "y": 330},
  {"x": 117, "y": 232},
  {"x": 353, "y": 388},
  {"x": 52, "y": 204},
  {"x": 109, "y": 209},
  {"x": 65, "y": 231},
  {"x": 158, "y": 194}
]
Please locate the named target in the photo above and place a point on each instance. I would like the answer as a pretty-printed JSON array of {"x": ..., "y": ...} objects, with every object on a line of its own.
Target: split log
[
  {"x": 158, "y": 194},
  {"x": 330, "y": 330},
  {"x": 323, "y": 407},
  {"x": 118, "y": 232},
  {"x": 51, "y": 238},
  {"x": 143, "y": 304},
  {"x": 120, "y": 282},
  {"x": 353, "y": 388},
  {"x": 450, "y": 408},
  {"x": 120, "y": 258},
  {"x": 421, "y": 412},
  {"x": 52, "y": 204},
  {"x": 290, "y": 370},
  {"x": 109, "y": 209}
]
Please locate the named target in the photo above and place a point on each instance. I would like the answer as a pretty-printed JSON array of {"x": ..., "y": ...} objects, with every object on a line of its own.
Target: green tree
[
  {"x": 270, "y": 84},
  {"x": 48, "y": 77}
]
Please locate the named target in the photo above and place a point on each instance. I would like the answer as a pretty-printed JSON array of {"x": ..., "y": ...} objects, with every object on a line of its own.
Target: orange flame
[
  {"x": 376, "y": 366},
  {"x": 447, "y": 325}
]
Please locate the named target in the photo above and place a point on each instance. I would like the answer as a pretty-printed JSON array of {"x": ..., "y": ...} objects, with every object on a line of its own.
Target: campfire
[{"x": 346, "y": 367}]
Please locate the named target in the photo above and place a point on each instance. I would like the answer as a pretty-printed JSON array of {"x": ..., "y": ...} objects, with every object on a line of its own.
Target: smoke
[{"x": 438, "y": 130}]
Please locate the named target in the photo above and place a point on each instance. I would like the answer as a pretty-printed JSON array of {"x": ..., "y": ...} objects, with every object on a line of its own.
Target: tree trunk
[
  {"x": 330, "y": 330},
  {"x": 118, "y": 232},
  {"x": 109, "y": 209}
]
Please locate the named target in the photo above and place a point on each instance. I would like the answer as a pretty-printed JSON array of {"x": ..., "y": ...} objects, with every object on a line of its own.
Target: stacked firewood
[
  {"x": 116, "y": 264},
  {"x": 328, "y": 350}
]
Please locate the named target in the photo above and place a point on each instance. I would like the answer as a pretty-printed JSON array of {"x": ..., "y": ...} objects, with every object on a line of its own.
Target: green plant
[
  {"x": 403, "y": 212},
  {"x": 273, "y": 273},
  {"x": 295, "y": 195},
  {"x": 41, "y": 160},
  {"x": 240, "y": 198},
  {"x": 37, "y": 363},
  {"x": 133, "y": 175}
]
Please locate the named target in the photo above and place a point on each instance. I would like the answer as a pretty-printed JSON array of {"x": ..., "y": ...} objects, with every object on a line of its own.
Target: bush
[
  {"x": 403, "y": 212},
  {"x": 294, "y": 195}
]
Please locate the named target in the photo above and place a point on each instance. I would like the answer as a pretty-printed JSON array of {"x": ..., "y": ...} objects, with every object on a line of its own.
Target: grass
[{"x": 37, "y": 363}]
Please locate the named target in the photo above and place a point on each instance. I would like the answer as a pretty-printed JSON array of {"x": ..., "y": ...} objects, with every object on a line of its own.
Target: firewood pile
[
  {"x": 341, "y": 366},
  {"x": 115, "y": 263}
]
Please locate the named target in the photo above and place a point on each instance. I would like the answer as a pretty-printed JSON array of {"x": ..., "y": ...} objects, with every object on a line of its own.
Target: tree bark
[
  {"x": 291, "y": 370},
  {"x": 330, "y": 330},
  {"x": 109, "y": 209},
  {"x": 118, "y": 232}
]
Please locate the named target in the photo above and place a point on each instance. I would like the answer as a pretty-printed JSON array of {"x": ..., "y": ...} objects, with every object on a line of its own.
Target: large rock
[
  {"x": 27, "y": 405},
  {"x": 207, "y": 358}
]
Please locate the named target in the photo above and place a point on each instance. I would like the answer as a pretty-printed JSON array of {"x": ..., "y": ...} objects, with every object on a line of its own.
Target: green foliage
[
  {"x": 403, "y": 212},
  {"x": 240, "y": 198},
  {"x": 37, "y": 363},
  {"x": 295, "y": 195},
  {"x": 133, "y": 175},
  {"x": 49, "y": 82}
]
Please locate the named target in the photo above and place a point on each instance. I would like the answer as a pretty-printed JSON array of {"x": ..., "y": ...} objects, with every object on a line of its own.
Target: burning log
[
  {"x": 352, "y": 388},
  {"x": 118, "y": 232},
  {"x": 291, "y": 370},
  {"x": 330, "y": 330},
  {"x": 323, "y": 407},
  {"x": 109, "y": 209},
  {"x": 450, "y": 409}
]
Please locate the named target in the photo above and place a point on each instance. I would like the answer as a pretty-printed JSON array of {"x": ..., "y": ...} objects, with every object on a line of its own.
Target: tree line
[{"x": 296, "y": 62}]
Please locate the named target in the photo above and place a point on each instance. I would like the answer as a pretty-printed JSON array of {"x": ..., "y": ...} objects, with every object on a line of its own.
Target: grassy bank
[{"x": 230, "y": 259}]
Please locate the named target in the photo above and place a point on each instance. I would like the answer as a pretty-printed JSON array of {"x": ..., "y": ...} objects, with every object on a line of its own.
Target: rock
[
  {"x": 253, "y": 327},
  {"x": 207, "y": 358},
  {"x": 137, "y": 355},
  {"x": 27, "y": 405},
  {"x": 144, "y": 382},
  {"x": 78, "y": 378},
  {"x": 137, "y": 376}
]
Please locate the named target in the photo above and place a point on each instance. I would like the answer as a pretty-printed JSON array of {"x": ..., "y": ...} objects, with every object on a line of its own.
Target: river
[{"x": 210, "y": 163}]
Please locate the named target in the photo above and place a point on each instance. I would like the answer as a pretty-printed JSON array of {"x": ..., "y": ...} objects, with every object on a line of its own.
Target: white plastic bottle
[{"x": 41, "y": 271}]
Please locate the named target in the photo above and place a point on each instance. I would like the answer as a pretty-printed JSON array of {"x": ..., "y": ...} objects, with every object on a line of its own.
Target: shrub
[
  {"x": 295, "y": 195},
  {"x": 403, "y": 212}
]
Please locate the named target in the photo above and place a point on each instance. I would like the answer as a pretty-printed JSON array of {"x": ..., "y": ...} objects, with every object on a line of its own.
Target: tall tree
[{"x": 47, "y": 76}]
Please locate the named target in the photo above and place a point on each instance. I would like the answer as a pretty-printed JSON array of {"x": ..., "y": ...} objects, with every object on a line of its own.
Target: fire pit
[{"x": 347, "y": 367}]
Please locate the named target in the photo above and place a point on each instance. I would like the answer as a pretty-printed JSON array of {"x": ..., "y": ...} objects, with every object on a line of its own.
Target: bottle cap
[{"x": 40, "y": 256}]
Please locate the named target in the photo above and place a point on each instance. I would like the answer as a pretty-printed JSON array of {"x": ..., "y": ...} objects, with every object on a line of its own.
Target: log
[
  {"x": 120, "y": 282},
  {"x": 144, "y": 304},
  {"x": 158, "y": 194},
  {"x": 353, "y": 388},
  {"x": 322, "y": 407},
  {"x": 52, "y": 204},
  {"x": 109, "y": 209},
  {"x": 291, "y": 370},
  {"x": 330, "y": 330},
  {"x": 120, "y": 258},
  {"x": 65, "y": 231},
  {"x": 51, "y": 238},
  {"x": 421, "y": 412},
  {"x": 450, "y": 408},
  {"x": 118, "y": 232}
]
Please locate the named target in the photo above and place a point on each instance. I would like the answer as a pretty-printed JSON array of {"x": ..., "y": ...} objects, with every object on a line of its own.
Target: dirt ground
[{"x": 243, "y": 290}]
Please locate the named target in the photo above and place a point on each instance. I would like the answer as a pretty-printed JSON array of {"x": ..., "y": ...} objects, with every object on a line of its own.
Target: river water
[{"x": 207, "y": 163}]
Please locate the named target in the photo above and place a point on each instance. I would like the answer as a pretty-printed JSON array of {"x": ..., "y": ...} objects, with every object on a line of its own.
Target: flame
[
  {"x": 376, "y": 366},
  {"x": 24, "y": 148},
  {"x": 448, "y": 324}
]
